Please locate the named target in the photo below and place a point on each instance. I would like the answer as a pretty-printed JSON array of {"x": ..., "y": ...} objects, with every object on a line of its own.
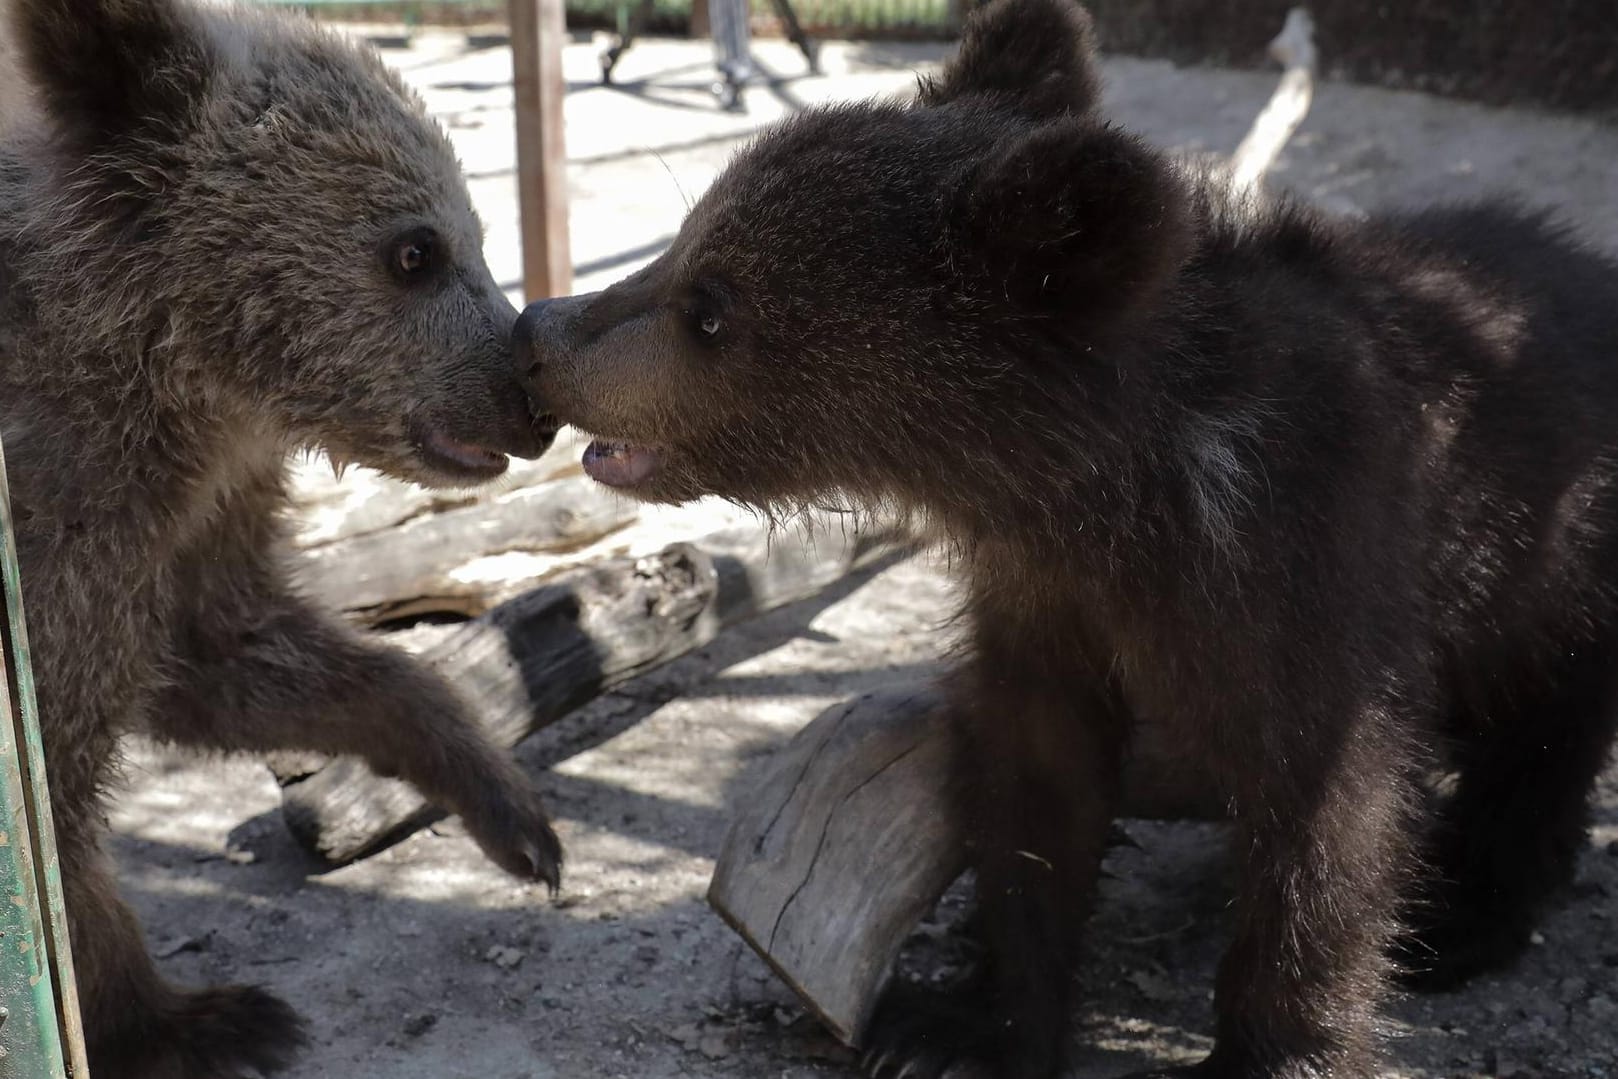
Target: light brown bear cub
[{"x": 225, "y": 235}]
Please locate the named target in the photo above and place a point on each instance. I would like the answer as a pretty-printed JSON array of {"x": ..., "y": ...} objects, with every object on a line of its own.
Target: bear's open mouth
[
  {"x": 620, "y": 464},
  {"x": 458, "y": 458}
]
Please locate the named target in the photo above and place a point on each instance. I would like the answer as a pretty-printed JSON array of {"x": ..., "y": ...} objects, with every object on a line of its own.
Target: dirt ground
[{"x": 424, "y": 961}]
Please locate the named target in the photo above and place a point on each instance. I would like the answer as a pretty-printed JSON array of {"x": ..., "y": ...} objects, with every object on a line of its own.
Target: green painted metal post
[{"x": 40, "y": 1033}]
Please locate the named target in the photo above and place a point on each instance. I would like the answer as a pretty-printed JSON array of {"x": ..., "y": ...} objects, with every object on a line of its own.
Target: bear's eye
[
  {"x": 704, "y": 309},
  {"x": 413, "y": 255}
]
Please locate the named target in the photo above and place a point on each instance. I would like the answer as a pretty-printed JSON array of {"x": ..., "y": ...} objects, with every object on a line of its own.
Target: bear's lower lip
[
  {"x": 460, "y": 458},
  {"x": 619, "y": 464}
]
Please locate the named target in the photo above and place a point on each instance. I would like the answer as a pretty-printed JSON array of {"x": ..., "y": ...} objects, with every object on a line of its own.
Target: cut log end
[
  {"x": 852, "y": 836},
  {"x": 846, "y": 843}
]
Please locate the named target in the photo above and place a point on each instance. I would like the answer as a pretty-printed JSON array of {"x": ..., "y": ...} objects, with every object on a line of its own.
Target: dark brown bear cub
[
  {"x": 225, "y": 235},
  {"x": 1329, "y": 502}
]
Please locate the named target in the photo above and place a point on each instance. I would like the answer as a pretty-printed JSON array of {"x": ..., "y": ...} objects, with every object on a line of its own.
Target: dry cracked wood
[
  {"x": 533, "y": 659},
  {"x": 337, "y": 502},
  {"x": 851, "y": 837},
  {"x": 417, "y": 567},
  {"x": 840, "y": 849}
]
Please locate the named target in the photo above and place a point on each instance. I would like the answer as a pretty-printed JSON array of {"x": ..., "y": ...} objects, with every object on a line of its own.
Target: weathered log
[
  {"x": 1294, "y": 49},
  {"x": 851, "y": 837},
  {"x": 411, "y": 569},
  {"x": 841, "y": 848},
  {"x": 526, "y": 663},
  {"x": 339, "y": 502},
  {"x": 530, "y": 661}
]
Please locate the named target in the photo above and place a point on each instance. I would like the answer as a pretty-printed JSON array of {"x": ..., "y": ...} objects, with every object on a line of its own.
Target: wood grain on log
[
  {"x": 525, "y": 664},
  {"x": 412, "y": 569},
  {"x": 845, "y": 843},
  {"x": 533, "y": 659},
  {"x": 852, "y": 836},
  {"x": 339, "y": 503}
]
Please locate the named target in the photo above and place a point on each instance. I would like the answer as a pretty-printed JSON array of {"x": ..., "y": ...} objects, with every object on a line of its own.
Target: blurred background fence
[
  {"x": 931, "y": 19},
  {"x": 1560, "y": 53}
]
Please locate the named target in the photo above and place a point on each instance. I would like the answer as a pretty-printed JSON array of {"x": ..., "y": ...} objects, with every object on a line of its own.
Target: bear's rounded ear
[
  {"x": 105, "y": 68},
  {"x": 1034, "y": 57},
  {"x": 1071, "y": 218}
]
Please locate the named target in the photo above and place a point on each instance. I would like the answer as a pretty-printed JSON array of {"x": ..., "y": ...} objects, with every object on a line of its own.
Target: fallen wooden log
[
  {"x": 851, "y": 837},
  {"x": 411, "y": 569},
  {"x": 533, "y": 659},
  {"x": 336, "y": 503},
  {"x": 840, "y": 849}
]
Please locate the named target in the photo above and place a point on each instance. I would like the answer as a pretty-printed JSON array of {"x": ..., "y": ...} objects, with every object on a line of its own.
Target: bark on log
[
  {"x": 336, "y": 502},
  {"x": 526, "y": 663},
  {"x": 852, "y": 837},
  {"x": 530, "y": 661},
  {"x": 411, "y": 569}
]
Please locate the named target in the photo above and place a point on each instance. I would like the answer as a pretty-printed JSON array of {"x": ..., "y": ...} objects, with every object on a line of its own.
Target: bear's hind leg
[
  {"x": 136, "y": 1025},
  {"x": 1509, "y": 836}
]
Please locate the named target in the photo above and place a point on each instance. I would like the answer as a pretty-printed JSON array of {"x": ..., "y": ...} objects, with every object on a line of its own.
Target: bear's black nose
[
  {"x": 525, "y": 337},
  {"x": 543, "y": 331}
]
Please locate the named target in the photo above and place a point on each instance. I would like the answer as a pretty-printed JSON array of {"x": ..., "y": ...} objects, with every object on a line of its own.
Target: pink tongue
[{"x": 618, "y": 464}]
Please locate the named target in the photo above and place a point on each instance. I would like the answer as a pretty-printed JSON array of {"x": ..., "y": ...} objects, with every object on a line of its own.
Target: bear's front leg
[
  {"x": 1323, "y": 804},
  {"x": 283, "y": 676},
  {"x": 1038, "y": 770}
]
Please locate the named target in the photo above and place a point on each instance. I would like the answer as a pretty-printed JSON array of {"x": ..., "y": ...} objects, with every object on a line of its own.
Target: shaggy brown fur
[
  {"x": 1322, "y": 501},
  {"x": 227, "y": 236}
]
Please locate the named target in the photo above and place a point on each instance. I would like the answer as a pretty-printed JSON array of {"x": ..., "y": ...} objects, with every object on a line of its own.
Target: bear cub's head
[
  {"x": 261, "y": 219},
  {"x": 870, "y": 291}
]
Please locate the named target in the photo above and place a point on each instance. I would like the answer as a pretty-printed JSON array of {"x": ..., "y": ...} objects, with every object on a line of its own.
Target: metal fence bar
[
  {"x": 40, "y": 1033},
  {"x": 854, "y": 18}
]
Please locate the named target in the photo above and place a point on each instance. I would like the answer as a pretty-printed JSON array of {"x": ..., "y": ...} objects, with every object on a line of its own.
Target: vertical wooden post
[
  {"x": 699, "y": 18},
  {"x": 538, "y": 29}
]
